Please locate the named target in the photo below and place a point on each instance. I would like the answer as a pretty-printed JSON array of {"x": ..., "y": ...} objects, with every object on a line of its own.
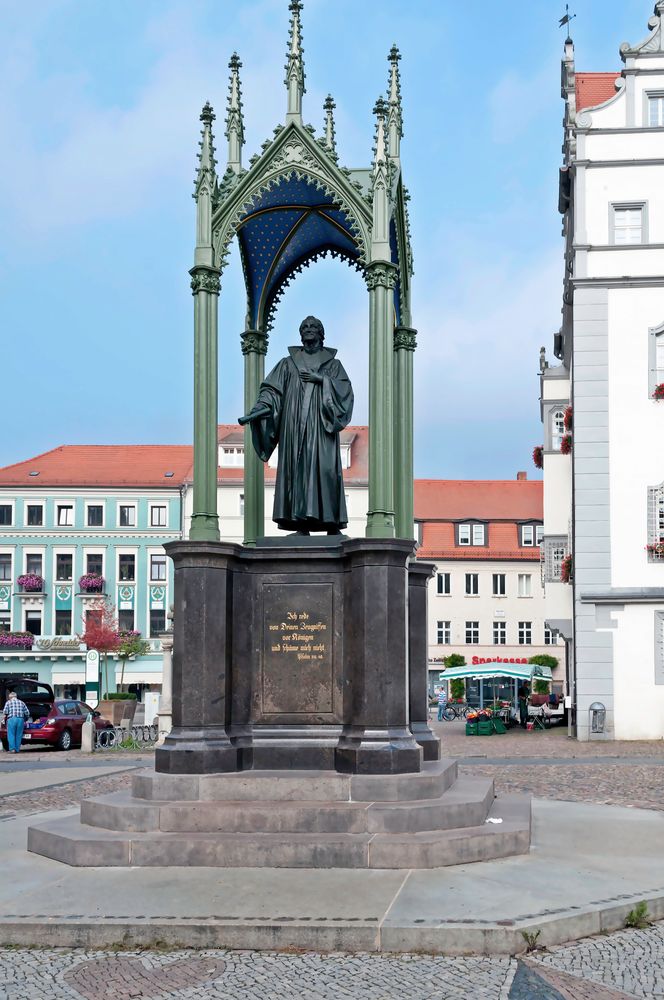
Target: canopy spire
[
  {"x": 330, "y": 135},
  {"x": 295, "y": 64},
  {"x": 234, "y": 119},
  {"x": 205, "y": 189},
  {"x": 380, "y": 249},
  {"x": 395, "y": 116}
]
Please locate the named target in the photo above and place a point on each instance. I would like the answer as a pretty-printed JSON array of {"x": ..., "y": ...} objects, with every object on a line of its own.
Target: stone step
[
  {"x": 74, "y": 843},
  {"x": 318, "y": 786},
  {"x": 465, "y": 804}
]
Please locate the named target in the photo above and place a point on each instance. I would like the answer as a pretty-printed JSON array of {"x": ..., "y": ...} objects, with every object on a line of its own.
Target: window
[
  {"x": 499, "y": 633},
  {"x": 94, "y": 563},
  {"x": 444, "y": 633},
  {"x": 127, "y": 516},
  {"x": 472, "y": 633},
  {"x": 157, "y": 621},
  {"x": 65, "y": 515},
  {"x": 525, "y": 587},
  {"x": 33, "y": 622},
  {"x": 444, "y": 584},
  {"x": 231, "y": 457},
  {"x": 63, "y": 622},
  {"x": 499, "y": 585},
  {"x": 5, "y": 622},
  {"x": 93, "y": 616},
  {"x": 655, "y": 547},
  {"x": 655, "y": 358},
  {"x": 35, "y": 515},
  {"x": 550, "y": 637},
  {"x": 158, "y": 516},
  {"x": 127, "y": 567},
  {"x": 628, "y": 226},
  {"x": 539, "y": 534},
  {"x": 554, "y": 551},
  {"x": 478, "y": 534},
  {"x": 5, "y": 515},
  {"x": 126, "y": 619},
  {"x": 472, "y": 584},
  {"x": 95, "y": 515},
  {"x": 33, "y": 563},
  {"x": 525, "y": 633},
  {"x": 5, "y": 567},
  {"x": 527, "y": 534},
  {"x": 64, "y": 566},
  {"x": 464, "y": 534},
  {"x": 557, "y": 429},
  {"x": 656, "y": 110},
  {"x": 241, "y": 504},
  {"x": 158, "y": 568}
]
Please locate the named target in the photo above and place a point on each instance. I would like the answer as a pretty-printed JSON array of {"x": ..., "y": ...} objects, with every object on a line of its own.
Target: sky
[{"x": 99, "y": 106}]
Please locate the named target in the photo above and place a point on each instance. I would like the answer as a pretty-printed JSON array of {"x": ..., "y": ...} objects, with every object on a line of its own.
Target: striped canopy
[{"x": 519, "y": 671}]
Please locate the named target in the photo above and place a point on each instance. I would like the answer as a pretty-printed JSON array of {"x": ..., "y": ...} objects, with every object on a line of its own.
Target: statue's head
[{"x": 312, "y": 333}]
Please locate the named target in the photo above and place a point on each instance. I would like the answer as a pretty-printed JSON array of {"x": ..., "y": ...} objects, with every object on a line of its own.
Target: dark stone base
[
  {"x": 398, "y": 757},
  {"x": 300, "y": 541},
  {"x": 180, "y": 754},
  {"x": 427, "y": 740}
]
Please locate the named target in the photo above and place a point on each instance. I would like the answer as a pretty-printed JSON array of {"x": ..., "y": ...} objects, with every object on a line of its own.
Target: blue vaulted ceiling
[{"x": 286, "y": 227}]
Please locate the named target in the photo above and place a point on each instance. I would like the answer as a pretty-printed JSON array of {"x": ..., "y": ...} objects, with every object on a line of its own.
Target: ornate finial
[
  {"x": 330, "y": 136},
  {"x": 206, "y": 176},
  {"x": 234, "y": 119},
  {"x": 395, "y": 117},
  {"x": 207, "y": 114},
  {"x": 380, "y": 147},
  {"x": 295, "y": 64}
]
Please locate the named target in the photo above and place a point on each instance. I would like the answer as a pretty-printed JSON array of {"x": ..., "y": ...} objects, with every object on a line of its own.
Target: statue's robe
[{"x": 304, "y": 420}]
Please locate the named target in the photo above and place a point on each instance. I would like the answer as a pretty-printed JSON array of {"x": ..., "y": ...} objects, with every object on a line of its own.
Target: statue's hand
[
  {"x": 256, "y": 414},
  {"x": 314, "y": 377},
  {"x": 243, "y": 420}
]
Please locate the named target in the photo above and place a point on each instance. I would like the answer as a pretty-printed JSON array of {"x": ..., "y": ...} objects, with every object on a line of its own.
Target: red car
[{"x": 55, "y": 721}]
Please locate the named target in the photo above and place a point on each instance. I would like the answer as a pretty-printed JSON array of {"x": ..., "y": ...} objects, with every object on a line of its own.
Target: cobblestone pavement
[
  {"x": 60, "y": 796},
  {"x": 623, "y": 965}
]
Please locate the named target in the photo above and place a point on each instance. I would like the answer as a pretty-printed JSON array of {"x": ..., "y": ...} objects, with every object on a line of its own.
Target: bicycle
[{"x": 454, "y": 711}]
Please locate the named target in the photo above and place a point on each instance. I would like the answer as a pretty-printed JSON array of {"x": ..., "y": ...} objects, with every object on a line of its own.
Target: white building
[{"x": 612, "y": 347}]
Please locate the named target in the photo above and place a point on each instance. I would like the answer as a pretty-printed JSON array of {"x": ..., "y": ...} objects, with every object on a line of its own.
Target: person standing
[
  {"x": 14, "y": 714},
  {"x": 522, "y": 695},
  {"x": 442, "y": 702}
]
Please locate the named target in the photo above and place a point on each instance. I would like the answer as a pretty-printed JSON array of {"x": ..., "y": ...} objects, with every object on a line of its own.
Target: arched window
[{"x": 557, "y": 429}]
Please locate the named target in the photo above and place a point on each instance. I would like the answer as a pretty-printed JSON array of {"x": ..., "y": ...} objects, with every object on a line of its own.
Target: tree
[
  {"x": 101, "y": 632},
  {"x": 131, "y": 644},
  {"x": 458, "y": 685},
  {"x": 543, "y": 660}
]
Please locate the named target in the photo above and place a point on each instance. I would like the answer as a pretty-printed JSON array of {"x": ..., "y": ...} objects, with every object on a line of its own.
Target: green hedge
[{"x": 120, "y": 696}]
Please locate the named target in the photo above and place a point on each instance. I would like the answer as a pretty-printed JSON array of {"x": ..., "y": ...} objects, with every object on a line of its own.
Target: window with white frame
[
  {"x": 5, "y": 621},
  {"x": 33, "y": 622},
  {"x": 95, "y": 515},
  {"x": 525, "y": 633},
  {"x": 472, "y": 584},
  {"x": 527, "y": 534},
  {"x": 444, "y": 584},
  {"x": 127, "y": 567},
  {"x": 557, "y": 429},
  {"x": 127, "y": 515},
  {"x": 500, "y": 633},
  {"x": 157, "y": 515},
  {"x": 464, "y": 534},
  {"x": 157, "y": 567},
  {"x": 655, "y": 358},
  {"x": 34, "y": 563},
  {"x": 241, "y": 504},
  {"x": 499, "y": 585},
  {"x": 6, "y": 515},
  {"x": 443, "y": 633},
  {"x": 471, "y": 534},
  {"x": 472, "y": 633},
  {"x": 550, "y": 637},
  {"x": 34, "y": 515},
  {"x": 94, "y": 563},
  {"x": 157, "y": 621},
  {"x": 65, "y": 515},
  {"x": 64, "y": 566},
  {"x": 628, "y": 225},
  {"x": 478, "y": 534},
  {"x": 126, "y": 619},
  {"x": 63, "y": 622},
  {"x": 539, "y": 534},
  {"x": 5, "y": 566},
  {"x": 554, "y": 552},
  {"x": 231, "y": 457},
  {"x": 656, "y": 110},
  {"x": 655, "y": 546},
  {"x": 525, "y": 585}
]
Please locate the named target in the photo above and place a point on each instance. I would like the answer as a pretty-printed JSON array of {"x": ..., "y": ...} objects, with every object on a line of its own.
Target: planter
[
  {"x": 31, "y": 583},
  {"x": 91, "y": 583},
  {"x": 119, "y": 710},
  {"x": 16, "y": 640}
]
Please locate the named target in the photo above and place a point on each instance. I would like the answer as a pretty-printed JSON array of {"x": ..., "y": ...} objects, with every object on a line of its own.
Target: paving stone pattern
[
  {"x": 61, "y": 796},
  {"x": 619, "y": 966}
]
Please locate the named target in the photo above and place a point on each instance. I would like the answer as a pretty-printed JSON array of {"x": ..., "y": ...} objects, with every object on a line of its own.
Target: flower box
[
  {"x": 91, "y": 583},
  {"x": 31, "y": 583},
  {"x": 16, "y": 640}
]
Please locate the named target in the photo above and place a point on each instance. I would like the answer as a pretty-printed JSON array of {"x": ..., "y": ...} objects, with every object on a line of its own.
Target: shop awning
[{"x": 479, "y": 671}]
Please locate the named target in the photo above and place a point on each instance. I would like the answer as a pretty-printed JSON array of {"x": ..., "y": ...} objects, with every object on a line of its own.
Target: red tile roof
[
  {"x": 594, "y": 88},
  {"x": 438, "y": 543},
  {"x": 122, "y": 465}
]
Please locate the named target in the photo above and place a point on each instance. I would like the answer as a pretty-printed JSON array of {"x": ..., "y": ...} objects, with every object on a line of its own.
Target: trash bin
[{"x": 597, "y": 713}]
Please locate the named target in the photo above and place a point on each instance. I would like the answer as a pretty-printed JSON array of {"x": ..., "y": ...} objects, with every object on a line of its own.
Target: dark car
[{"x": 55, "y": 721}]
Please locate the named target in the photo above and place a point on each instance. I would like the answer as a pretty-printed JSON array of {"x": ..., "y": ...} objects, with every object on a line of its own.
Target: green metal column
[
  {"x": 381, "y": 279},
  {"x": 205, "y": 287},
  {"x": 404, "y": 346},
  {"x": 254, "y": 349}
]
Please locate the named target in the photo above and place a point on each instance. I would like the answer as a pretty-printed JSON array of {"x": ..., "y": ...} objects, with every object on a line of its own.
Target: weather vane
[{"x": 567, "y": 17}]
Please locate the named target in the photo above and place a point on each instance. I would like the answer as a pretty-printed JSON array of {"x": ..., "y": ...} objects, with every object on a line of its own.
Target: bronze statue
[{"x": 302, "y": 405}]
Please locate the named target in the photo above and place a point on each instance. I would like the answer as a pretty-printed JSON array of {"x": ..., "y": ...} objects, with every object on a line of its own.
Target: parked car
[{"x": 54, "y": 721}]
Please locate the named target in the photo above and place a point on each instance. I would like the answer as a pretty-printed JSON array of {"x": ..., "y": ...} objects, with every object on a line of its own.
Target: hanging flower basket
[
  {"x": 31, "y": 582},
  {"x": 566, "y": 568},
  {"x": 567, "y": 419},
  {"x": 91, "y": 583},
  {"x": 658, "y": 392},
  {"x": 566, "y": 445},
  {"x": 538, "y": 456},
  {"x": 16, "y": 640}
]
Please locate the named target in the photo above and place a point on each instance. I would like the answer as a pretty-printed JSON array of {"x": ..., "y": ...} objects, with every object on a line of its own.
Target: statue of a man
[{"x": 302, "y": 405}]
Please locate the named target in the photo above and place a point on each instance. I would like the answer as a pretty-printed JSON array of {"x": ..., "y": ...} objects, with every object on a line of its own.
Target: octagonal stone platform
[{"x": 277, "y": 819}]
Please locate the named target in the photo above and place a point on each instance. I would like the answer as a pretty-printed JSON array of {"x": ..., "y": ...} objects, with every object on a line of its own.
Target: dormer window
[
  {"x": 345, "y": 456},
  {"x": 231, "y": 457},
  {"x": 471, "y": 534}
]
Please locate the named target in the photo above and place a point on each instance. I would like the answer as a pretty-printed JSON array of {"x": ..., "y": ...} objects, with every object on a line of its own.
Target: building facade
[
  {"x": 611, "y": 349},
  {"x": 486, "y": 599}
]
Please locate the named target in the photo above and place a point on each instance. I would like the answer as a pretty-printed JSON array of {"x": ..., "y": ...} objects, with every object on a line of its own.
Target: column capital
[
  {"x": 381, "y": 274},
  {"x": 405, "y": 338},
  {"x": 254, "y": 342},
  {"x": 205, "y": 279}
]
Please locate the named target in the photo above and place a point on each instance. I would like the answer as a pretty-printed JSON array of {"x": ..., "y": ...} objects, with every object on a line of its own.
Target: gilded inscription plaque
[{"x": 297, "y": 675}]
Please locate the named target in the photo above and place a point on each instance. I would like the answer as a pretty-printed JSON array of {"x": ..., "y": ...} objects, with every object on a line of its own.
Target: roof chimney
[{"x": 521, "y": 476}]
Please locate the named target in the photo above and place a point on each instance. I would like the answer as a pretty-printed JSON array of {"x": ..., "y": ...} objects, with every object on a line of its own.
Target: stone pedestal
[
  {"x": 291, "y": 658},
  {"x": 166, "y": 699},
  {"x": 419, "y": 574}
]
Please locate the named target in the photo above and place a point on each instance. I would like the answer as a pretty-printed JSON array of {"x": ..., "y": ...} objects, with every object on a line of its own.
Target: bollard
[{"x": 88, "y": 736}]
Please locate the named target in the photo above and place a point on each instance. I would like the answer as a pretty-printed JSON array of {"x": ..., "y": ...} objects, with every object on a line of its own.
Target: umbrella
[{"x": 496, "y": 668}]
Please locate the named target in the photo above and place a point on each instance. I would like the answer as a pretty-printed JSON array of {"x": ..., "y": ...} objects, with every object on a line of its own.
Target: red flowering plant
[
  {"x": 91, "y": 583},
  {"x": 566, "y": 569},
  {"x": 566, "y": 444},
  {"x": 538, "y": 456},
  {"x": 567, "y": 419},
  {"x": 658, "y": 391},
  {"x": 655, "y": 550},
  {"x": 31, "y": 582}
]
